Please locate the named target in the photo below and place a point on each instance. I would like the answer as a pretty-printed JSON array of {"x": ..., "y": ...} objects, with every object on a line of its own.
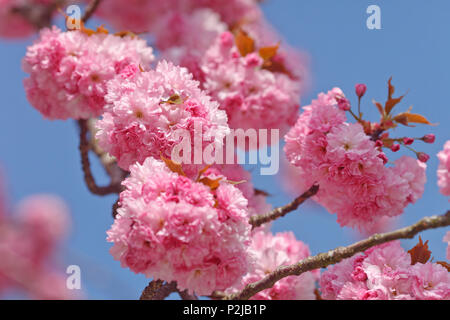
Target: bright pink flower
[
  {"x": 384, "y": 272},
  {"x": 141, "y": 121},
  {"x": 252, "y": 96},
  {"x": 272, "y": 251},
  {"x": 443, "y": 171},
  {"x": 69, "y": 70},
  {"x": 174, "y": 229}
]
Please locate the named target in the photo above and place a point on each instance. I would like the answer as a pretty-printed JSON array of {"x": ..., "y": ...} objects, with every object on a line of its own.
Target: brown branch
[
  {"x": 90, "y": 9},
  {"x": 186, "y": 296},
  {"x": 113, "y": 187},
  {"x": 323, "y": 260},
  {"x": 158, "y": 290},
  {"x": 258, "y": 220}
]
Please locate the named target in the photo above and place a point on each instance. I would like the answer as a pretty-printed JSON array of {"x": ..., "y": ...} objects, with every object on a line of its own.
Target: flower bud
[
  {"x": 429, "y": 138},
  {"x": 343, "y": 103},
  {"x": 395, "y": 147},
  {"x": 407, "y": 141},
  {"x": 360, "y": 89},
  {"x": 422, "y": 156}
]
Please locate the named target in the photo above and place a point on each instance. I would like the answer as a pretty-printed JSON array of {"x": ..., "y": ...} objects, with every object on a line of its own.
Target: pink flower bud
[
  {"x": 395, "y": 147},
  {"x": 379, "y": 143},
  {"x": 343, "y": 103},
  {"x": 407, "y": 141},
  {"x": 429, "y": 138},
  {"x": 422, "y": 156},
  {"x": 383, "y": 157},
  {"x": 360, "y": 89}
]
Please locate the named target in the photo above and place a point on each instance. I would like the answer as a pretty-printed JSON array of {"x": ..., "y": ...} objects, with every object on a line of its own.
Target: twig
[
  {"x": 186, "y": 296},
  {"x": 84, "y": 147},
  {"x": 90, "y": 9},
  {"x": 323, "y": 260},
  {"x": 158, "y": 290},
  {"x": 258, "y": 220}
]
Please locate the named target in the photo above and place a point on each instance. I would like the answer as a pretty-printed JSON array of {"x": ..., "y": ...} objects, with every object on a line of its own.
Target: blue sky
[{"x": 413, "y": 46}]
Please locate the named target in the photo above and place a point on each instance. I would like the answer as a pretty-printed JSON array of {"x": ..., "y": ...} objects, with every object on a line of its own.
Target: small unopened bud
[
  {"x": 422, "y": 156},
  {"x": 429, "y": 138},
  {"x": 383, "y": 157},
  {"x": 407, "y": 141},
  {"x": 395, "y": 147},
  {"x": 343, "y": 103},
  {"x": 379, "y": 143},
  {"x": 360, "y": 89}
]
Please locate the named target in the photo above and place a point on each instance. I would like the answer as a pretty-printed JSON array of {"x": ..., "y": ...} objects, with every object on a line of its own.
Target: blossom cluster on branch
[{"x": 203, "y": 228}]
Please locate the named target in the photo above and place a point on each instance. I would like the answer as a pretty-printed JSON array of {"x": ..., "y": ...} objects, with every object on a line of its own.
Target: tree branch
[
  {"x": 158, "y": 290},
  {"x": 186, "y": 296},
  {"x": 113, "y": 187},
  {"x": 90, "y": 9},
  {"x": 323, "y": 260},
  {"x": 258, "y": 220}
]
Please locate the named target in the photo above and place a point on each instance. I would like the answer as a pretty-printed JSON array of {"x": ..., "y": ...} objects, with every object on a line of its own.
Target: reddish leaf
[
  {"x": 317, "y": 294},
  {"x": 379, "y": 107},
  {"x": 125, "y": 33},
  {"x": 444, "y": 264},
  {"x": 391, "y": 89},
  {"x": 267, "y": 53},
  {"x": 202, "y": 172},
  {"x": 173, "y": 166},
  {"x": 213, "y": 184},
  {"x": 244, "y": 43},
  {"x": 420, "y": 252},
  {"x": 391, "y": 103},
  {"x": 406, "y": 118},
  {"x": 261, "y": 192},
  {"x": 173, "y": 99}
]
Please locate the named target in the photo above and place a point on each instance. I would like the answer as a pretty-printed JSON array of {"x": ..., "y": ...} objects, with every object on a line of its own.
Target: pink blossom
[
  {"x": 447, "y": 239},
  {"x": 140, "y": 122},
  {"x": 174, "y": 229},
  {"x": 443, "y": 171},
  {"x": 349, "y": 167},
  {"x": 272, "y": 251},
  {"x": 69, "y": 70},
  {"x": 360, "y": 89},
  {"x": 252, "y": 96},
  {"x": 141, "y": 16},
  {"x": 183, "y": 38},
  {"x": 384, "y": 272}
]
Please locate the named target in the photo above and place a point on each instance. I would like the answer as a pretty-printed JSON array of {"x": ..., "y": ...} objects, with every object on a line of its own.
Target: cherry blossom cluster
[
  {"x": 69, "y": 70},
  {"x": 385, "y": 272},
  {"x": 28, "y": 241},
  {"x": 145, "y": 111},
  {"x": 355, "y": 182},
  {"x": 175, "y": 229},
  {"x": 443, "y": 171},
  {"x": 272, "y": 251}
]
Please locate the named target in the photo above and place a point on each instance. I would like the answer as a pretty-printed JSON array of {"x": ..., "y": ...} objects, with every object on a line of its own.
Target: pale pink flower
[
  {"x": 140, "y": 121},
  {"x": 252, "y": 96},
  {"x": 272, "y": 251},
  {"x": 174, "y": 229},
  {"x": 443, "y": 171},
  {"x": 384, "y": 272},
  {"x": 69, "y": 70}
]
